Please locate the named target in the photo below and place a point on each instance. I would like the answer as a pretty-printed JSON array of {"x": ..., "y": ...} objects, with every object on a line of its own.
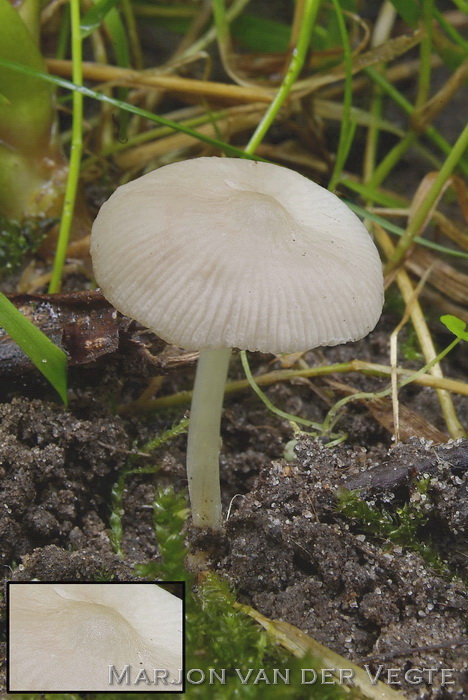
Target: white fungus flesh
[
  {"x": 65, "y": 636},
  {"x": 217, "y": 253}
]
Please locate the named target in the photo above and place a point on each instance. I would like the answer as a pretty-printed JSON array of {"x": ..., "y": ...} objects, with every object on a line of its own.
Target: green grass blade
[
  {"x": 94, "y": 17},
  {"x": 310, "y": 11},
  {"x": 87, "y": 92},
  {"x": 409, "y": 10},
  {"x": 75, "y": 154},
  {"x": 348, "y": 124},
  {"x": 393, "y": 228},
  {"x": 407, "y": 107},
  {"x": 461, "y": 4},
  {"x": 49, "y": 359},
  {"x": 451, "y": 32},
  {"x": 114, "y": 26},
  {"x": 376, "y": 195},
  {"x": 416, "y": 223},
  {"x": 105, "y": 12}
]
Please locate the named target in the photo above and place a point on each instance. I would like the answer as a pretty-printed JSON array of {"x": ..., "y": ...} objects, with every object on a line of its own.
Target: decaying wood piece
[
  {"x": 398, "y": 472},
  {"x": 88, "y": 328},
  {"x": 83, "y": 324}
]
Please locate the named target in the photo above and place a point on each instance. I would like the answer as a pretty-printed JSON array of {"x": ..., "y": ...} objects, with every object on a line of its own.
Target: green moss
[
  {"x": 104, "y": 576},
  {"x": 404, "y": 526},
  {"x": 410, "y": 347},
  {"x": 219, "y": 636},
  {"x": 170, "y": 511},
  {"x": 20, "y": 239},
  {"x": 115, "y": 518}
]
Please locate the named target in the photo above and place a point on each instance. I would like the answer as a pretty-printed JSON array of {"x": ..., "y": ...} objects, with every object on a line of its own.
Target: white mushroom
[
  {"x": 69, "y": 636},
  {"x": 217, "y": 253}
]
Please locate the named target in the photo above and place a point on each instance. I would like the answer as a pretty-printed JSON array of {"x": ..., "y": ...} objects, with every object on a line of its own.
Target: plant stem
[
  {"x": 391, "y": 160},
  {"x": 430, "y": 199},
  {"x": 204, "y": 442},
  {"x": 271, "y": 407},
  {"x": 405, "y": 285},
  {"x": 311, "y": 8},
  {"x": 348, "y": 124},
  {"x": 424, "y": 82},
  {"x": 407, "y": 107},
  {"x": 183, "y": 398},
  {"x": 330, "y": 418},
  {"x": 75, "y": 153},
  {"x": 233, "y": 11},
  {"x": 133, "y": 37}
]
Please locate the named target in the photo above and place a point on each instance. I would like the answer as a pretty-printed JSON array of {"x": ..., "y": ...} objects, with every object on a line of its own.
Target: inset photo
[{"x": 116, "y": 637}]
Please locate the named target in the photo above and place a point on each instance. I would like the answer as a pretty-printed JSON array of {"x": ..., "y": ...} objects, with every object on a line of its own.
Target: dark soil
[
  {"x": 291, "y": 556},
  {"x": 287, "y": 550}
]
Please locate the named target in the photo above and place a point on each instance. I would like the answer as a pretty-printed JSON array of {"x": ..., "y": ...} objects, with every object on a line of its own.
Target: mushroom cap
[
  {"x": 219, "y": 252},
  {"x": 64, "y": 636}
]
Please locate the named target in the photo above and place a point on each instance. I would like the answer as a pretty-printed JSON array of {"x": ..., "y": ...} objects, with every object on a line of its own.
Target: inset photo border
[{"x": 96, "y": 637}]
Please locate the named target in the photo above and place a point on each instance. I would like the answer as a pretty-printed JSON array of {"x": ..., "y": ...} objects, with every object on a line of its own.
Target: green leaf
[
  {"x": 409, "y": 10},
  {"x": 93, "y": 19},
  {"x": 27, "y": 113},
  {"x": 49, "y": 359},
  {"x": 261, "y": 35},
  {"x": 455, "y": 325}
]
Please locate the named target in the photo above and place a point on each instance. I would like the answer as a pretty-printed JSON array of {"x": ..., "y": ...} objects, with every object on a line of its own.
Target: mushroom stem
[{"x": 204, "y": 441}]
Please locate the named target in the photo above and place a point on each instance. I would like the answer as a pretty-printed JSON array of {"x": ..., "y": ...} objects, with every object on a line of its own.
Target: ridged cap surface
[{"x": 221, "y": 252}]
